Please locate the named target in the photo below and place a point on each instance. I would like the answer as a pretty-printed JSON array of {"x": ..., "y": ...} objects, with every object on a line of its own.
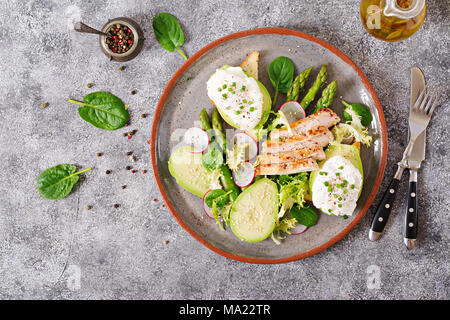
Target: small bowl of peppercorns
[{"x": 123, "y": 39}]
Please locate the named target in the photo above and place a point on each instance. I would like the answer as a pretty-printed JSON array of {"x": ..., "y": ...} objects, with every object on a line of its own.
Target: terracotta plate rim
[{"x": 262, "y": 31}]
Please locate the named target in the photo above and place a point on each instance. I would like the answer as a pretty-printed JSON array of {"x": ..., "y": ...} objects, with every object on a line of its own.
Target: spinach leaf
[
  {"x": 57, "y": 182},
  {"x": 103, "y": 110},
  {"x": 168, "y": 32},
  {"x": 213, "y": 156},
  {"x": 306, "y": 216},
  {"x": 281, "y": 74}
]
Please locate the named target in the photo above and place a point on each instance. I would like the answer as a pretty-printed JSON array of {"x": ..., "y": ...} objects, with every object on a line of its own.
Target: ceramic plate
[{"x": 182, "y": 101}]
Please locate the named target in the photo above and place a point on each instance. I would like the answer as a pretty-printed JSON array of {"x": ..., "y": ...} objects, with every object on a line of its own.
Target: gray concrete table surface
[{"x": 61, "y": 250}]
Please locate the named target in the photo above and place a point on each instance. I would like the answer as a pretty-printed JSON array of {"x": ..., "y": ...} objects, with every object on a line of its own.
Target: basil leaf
[
  {"x": 213, "y": 157},
  {"x": 57, "y": 182},
  {"x": 306, "y": 216},
  {"x": 103, "y": 110},
  {"x": 168, "y": 32},
  {"x": 281, "y": 74}
]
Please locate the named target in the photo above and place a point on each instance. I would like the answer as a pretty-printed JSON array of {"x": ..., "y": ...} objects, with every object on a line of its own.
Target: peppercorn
[
  {"x": 98, "y": 154},
  {"x": 123, "y": 187},
  {"x": 124, "y": 134},
  {"x": 116, "y": 205},
  {"x": 122, "y": 68},
  {"x": 108, "y": 171},
  {"x": 88, "y": 207},
  {"x": 45, "y": 105},
  {"x": 89, "y": 85},
  {"x": 128, "y": 167},
  {"x": 133, "y": 92},
  {"x": 133, "y": 159},
  {"x": 143, "y": 115},
  {"x": 166, "y": 242},
  {"x": 129, "y": 153}
]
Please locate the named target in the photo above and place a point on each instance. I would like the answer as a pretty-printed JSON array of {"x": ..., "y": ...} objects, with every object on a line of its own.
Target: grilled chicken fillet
[
  {"x": 324, "y": 117},
  {"x": 316, "y": 137},
  {"x": 303, "y": 165},
  {"x": 315, "y": 153}
]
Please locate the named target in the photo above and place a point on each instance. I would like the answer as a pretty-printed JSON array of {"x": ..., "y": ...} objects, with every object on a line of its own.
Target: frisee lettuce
[
  {"x": 292, "y": 191},
  {"x": 352, "y": 129},
  {"x": 236, "y": 156}
]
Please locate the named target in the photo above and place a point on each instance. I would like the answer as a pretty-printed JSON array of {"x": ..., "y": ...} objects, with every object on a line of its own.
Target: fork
[
  {"x": 419, "y": 117},
  {"x": 420, "y": 114}
]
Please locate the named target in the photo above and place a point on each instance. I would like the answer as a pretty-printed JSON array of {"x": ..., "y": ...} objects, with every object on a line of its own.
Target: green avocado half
[
  {"x": 187, "y": 168},
  {"x": 348, "y": 151},
  {"x": 266, "y": 107}
]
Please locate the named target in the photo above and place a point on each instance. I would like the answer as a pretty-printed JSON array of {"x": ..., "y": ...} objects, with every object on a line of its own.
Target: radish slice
[
  {"x": 299, "y": 229},
  {"x": 245, "y": 175},
  {"x": 205, "y": 206},
  {"x": 197, "y": 138},
  {"x": 243, "y": 138},
  {"x": 293, "y": 111}
]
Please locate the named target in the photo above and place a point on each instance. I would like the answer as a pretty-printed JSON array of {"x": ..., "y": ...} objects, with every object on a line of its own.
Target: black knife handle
[
  {"x": 384, "y": 208},
  {"x": 411, "y": 218}
]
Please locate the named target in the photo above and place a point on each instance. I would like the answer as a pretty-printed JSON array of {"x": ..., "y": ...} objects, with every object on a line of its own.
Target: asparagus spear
[
  {"x": 318, "y": 84},
  {"x": 327, "y": 96},
  {"x": 206, "y": 124},
  {"x": 298, "y": 85},
  {"x": 216, "y": 120},
  {"x": 226, "y": 178}
]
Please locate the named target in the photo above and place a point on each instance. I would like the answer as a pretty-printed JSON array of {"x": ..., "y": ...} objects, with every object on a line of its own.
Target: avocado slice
[
  {"x": 187, "y": 168},
  {"x": 266, "y": 107},
  {"x": 350, "y": 152},
  {"x": 254, "y": 213}
]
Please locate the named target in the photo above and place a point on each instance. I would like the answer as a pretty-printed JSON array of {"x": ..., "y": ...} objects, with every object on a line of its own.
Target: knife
[
  {"x": 414, "y": 160},
  {"x": 384, "y": 208}
]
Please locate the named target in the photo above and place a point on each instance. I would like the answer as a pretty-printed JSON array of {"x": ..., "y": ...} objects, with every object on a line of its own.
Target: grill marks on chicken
[
  {"x": 322, "y": 118},
  {"x": 289, "y": 154}
]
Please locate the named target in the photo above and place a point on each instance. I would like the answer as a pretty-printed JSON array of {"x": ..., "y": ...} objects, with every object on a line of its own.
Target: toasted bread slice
[
  {"x": 303, "y": 165},
  {"x": 250, "y": 65}
]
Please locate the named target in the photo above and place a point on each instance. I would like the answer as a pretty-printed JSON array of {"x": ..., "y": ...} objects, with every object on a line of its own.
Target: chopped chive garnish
[
  {"x": 230, "y": 89},
  {"x": 352, "y": 186},
  {"x": 341, "y": 167},
  {"x": 243, "y": 88},
  {"x": 330, "y": 189},
  {"x": 238, "y": 112},
  {"x": 220, "y": 89},
  {"x": 252, "y": 109},
  {"x": 340, "y": 205},
  {"x": 344, "y": 217},
  {"x": 224, "y": 86},
  {"x": 337, "y": 174},
  {"x": 330, "y": 211},
  {"x": 340, "y": 198},
  {"x": 241, "y": 107},
  {"x": 345, "y": 191},
  {"x": 244, "y": 101},
  {"x": 233, "y": 84},
  {"x": 335, "y": 195},
  {"x": 224, "y": 96},
  {"x": 326, "y": 183}
]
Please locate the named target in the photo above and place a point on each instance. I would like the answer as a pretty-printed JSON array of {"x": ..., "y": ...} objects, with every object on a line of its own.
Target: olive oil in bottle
[{"x": 392, "y": 20}]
